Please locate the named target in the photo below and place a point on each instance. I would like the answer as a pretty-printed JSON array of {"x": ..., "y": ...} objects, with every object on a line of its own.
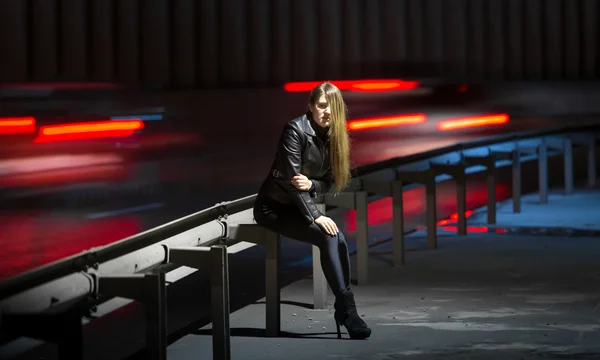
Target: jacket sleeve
[
  {"x": 289, "y": 162},
  {"x": 323, "y": 185}
]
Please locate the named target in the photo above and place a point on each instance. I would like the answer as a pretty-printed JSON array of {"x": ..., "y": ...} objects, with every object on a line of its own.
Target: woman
[{"x": 313, "y": 155}]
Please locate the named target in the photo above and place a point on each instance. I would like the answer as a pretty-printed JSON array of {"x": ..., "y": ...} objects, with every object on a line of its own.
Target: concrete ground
[{"x": 528, "y": 291}]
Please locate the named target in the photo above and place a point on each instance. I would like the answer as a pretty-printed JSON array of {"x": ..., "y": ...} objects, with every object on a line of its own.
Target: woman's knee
[
  {"x": 341, "y": 238},
  {"x": 334, "y": 240}
]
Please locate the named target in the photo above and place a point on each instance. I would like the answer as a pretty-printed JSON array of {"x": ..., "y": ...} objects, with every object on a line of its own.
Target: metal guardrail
[{"x": 55, "y": 296}]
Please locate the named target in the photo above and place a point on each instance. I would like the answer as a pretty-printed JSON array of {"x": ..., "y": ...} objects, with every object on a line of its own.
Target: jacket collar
[{"x": 307, "y": 125}]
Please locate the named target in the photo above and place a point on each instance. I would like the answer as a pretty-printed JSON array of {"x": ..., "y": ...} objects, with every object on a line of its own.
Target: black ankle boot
[{"x": 345, "y": 314}]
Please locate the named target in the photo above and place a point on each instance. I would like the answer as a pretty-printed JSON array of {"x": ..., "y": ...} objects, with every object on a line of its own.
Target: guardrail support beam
[
  {"x": 457, "y": 171},
  {"x": 568, "y": 166},
  {"x": 362, "y": 237},
  {"x": 489, "y": 162},
  {"x": 430, "y": 189},
  {"x": 592, "y": 161},
  {"x": 273, "y": 295},
  {"x": 427, "y": 178},
  {"x": 543, "y": 172},
  {"x": 516, "y": 181},
  {"x": 398, "y": 248},
  {"x": 149, "y": 289},
  {"x": 216, "y": 260},
  {"x": 514, "y": 156}
]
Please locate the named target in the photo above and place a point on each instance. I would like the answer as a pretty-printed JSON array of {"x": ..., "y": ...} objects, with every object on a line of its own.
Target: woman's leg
[
  {"x": 287, "y": 221},
  {"x": 335, "y": 260}
]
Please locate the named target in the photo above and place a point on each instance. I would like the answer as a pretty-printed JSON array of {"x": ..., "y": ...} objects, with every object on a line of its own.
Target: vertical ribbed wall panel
[
  {"x": 183, "y": 44},
  {"x": 209, "y": 36},
  {"x": 14, "y": 39},
  {"x": 102, "y": 40},
  {"x": 434, "y": 36},
  {"x": 128, "y": 57},
  {"x": 43, "y": 39},
  {"x": 353, "y": 34},
  {"x": 534, "y": 40},
  {"x": 259, "y": 41},
  {"x": 415, "y": 31},
  {"x": 233, "y": 47},
  {"x": 591, "y": 41},
  {"x": 573, "y": 44},
  {"x": 208, "y": 43},
  {"x": 395, "y": 49},
  {"x": 495, "y": 40},
  {"x": 455, "y": 31},
  {"x": 304, "y": 40},
  {"x": 74, "y": 40},
  {"x": 281, "y": 39},
  {"x": 371, "y": 47},
  {"x": 515, "y": 43},
  {"x": 330, "y": 44},
  {"x": 155, "y": 20}
]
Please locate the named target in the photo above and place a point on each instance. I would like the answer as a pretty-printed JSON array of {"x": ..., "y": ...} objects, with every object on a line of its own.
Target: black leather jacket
[{"x": 300, "y": 150}]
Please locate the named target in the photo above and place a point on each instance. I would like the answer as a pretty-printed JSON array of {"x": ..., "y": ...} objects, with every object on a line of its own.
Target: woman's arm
[
  {"x": 289, "y": 162},
  {"x": 321, "y": 186}
]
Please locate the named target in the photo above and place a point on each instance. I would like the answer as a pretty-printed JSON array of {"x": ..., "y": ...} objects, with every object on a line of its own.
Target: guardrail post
[
  {"x": 516, "y": 179},
  {"x": 457, "y": 171},
  {"x": 461, "y": 201},
  {"x": 149, "y": 289},
  {"x": 398, "y": 223},
  {"x": 216, "y": 260},
  {"x": 362, "y": 236},
  {"x": 568, "y": 165},
  {"x": 592, "y": 161},
  {"x": 155, "y": 304},
  {"x": 543, "y": 171},
  {"x": 219, "y": 279},
  {"x": 273, "y": 295},
  {"x": 427, "y": 178},
  {"x": 489, "y": 161},
  {"x": 70, "y": 343},
  {"x": 430, "y": 189},
  {"x": 319, "y": 281},
  {"x": 491, "y": 190}
]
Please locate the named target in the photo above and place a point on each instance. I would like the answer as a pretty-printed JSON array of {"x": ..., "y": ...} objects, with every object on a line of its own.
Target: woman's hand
[
  {"x": 328, "y": 225},
  {"x": 301, "y": 182}
]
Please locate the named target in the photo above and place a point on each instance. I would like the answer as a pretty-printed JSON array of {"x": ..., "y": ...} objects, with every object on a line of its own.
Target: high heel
[{"x": 346, "y": 315}]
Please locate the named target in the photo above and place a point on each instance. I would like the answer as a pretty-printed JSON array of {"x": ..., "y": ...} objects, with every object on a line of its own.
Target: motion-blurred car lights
[
  {"x": 355, "y": 85},
  {"x": 386, "y": 121},
  {"x": 88, "y": 130},
  {"x": 17, "y": 125},
  {"x": 472, "y": 122}
]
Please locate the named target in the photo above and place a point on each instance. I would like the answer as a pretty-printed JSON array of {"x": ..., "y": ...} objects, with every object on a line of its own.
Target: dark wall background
[{"x": 209, "y": 43}]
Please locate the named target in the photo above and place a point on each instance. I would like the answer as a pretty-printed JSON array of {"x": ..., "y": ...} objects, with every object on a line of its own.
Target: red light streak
[
  {"x": 386, "y": 121},
  {"x": 91, "y": 130},
  {"x": 471, "y": 122},
  {"x": 17, "y": 125},
  {"x": 355, "y": 85}
]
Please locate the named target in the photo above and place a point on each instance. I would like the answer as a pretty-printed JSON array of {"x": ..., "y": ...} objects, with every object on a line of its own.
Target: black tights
[{"x": 286, "y": 220}]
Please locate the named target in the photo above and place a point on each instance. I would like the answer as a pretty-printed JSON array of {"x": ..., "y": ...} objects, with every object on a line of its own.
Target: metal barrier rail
[{"x": 70, "y": 287}]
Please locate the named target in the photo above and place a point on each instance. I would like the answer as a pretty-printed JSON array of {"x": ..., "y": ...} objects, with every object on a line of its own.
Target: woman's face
[{"x": 320, "y": 111}]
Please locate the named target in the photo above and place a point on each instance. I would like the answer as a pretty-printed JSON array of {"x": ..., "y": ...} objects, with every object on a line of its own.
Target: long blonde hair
[{"x": 339, "y": 152}]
